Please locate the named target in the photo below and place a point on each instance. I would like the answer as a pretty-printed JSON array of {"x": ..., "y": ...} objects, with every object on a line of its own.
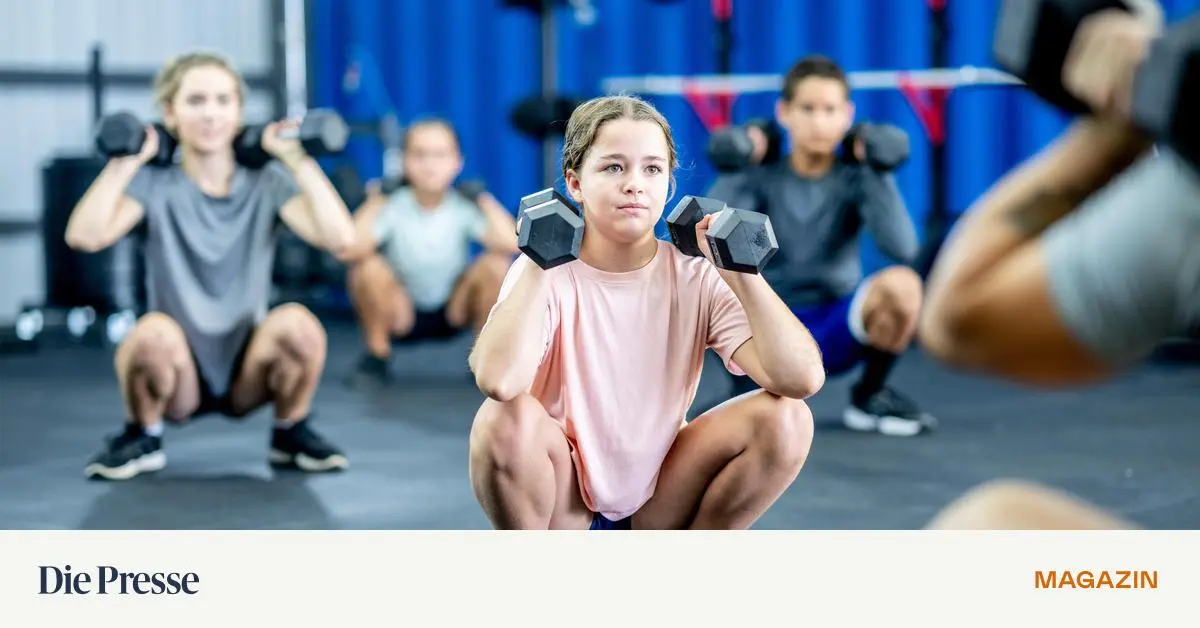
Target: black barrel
[{"x": 109, "y": 281}]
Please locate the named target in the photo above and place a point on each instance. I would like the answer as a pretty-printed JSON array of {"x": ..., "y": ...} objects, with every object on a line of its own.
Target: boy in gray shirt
[
  {"x": 819, "y": 206},
  {"x": 208, "y": 343}
]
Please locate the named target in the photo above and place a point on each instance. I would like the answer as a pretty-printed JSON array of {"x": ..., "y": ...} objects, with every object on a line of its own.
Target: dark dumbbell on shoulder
[
  {"x": 774, "y": 137},
  {"x": 731, "y": 149},
  {"x": 322, "y": 132},
  {"x": 472, "y": 189},
  {"x": 1165, "y": 97},
  {"x": 1032, "y": 39},
  {"x": 549, "y": 228},
  {"x": 391, "y": 185},
  {"x": 741, "y": 240},
  {"x": 886, "y": 146},
  {"x": 123, "y": 134}
]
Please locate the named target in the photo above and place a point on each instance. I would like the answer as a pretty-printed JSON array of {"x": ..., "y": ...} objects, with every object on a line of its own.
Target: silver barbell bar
[{"x": 667, "y": 85}]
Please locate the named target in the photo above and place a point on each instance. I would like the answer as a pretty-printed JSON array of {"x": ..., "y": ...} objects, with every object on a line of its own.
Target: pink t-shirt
[{"x": 622, "y": 363}]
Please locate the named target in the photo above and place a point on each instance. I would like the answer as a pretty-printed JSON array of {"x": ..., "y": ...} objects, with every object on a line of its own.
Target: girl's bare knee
[
  {"x": 783, "y": 431},
  {"x": 506, "y": 434}
]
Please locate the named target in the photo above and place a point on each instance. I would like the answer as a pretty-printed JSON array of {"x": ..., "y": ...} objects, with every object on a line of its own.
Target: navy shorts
[
  {"x": 212, "y": 403},
  {"x": 600, "y": 522},
  {"x": 429, "y": 325},
  {"x": 832, "y": 325}
]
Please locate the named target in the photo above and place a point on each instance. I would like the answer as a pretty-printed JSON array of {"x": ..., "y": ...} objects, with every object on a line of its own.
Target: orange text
[{"x": 1086, "y": 579}]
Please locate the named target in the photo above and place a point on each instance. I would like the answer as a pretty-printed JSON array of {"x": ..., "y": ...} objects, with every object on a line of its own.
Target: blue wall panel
[{"x": 471, "y": 60}]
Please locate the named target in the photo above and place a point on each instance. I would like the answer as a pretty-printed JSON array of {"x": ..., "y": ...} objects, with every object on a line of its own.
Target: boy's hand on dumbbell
[
  {"x": 279, "y": 142},
  {"x": 860, "y": 149},
  {"x": 1104, "y": 57}
]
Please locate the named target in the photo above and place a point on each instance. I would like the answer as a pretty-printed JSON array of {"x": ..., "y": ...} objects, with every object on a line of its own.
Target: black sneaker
[
  {"x": 889, "y": 413},
  {"x": 299, "y": 447},
  {"x": 127, "y": 454},
  {"x": 370, "y": 373}
]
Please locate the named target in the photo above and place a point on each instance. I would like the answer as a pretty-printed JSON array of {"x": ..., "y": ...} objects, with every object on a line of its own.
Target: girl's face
[
  {"x": 206, "y": 113},
  {"x": 431, "y": 158},
  {"x": 624, "y": 180}
]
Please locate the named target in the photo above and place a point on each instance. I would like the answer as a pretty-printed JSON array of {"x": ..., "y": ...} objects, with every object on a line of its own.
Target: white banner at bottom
[{"x": 532, "y": 579}]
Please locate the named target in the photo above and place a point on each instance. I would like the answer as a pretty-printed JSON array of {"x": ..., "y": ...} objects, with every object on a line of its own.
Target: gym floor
[{"x": 1130, "y": 445}]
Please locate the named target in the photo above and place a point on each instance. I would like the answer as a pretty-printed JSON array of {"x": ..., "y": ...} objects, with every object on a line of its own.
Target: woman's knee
[
  {"x": 301, "y": 335},
  {"x": 506, "y": 433},
  {"x": 783, "y": 431},
  {"x": 155, "y": 342}
]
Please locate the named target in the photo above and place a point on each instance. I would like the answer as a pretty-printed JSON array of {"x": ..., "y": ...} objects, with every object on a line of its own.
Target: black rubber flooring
[{"x": 1132, "y": 445}]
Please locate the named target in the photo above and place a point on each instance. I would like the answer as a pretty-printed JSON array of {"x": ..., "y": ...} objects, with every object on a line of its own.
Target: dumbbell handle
[{"x": 287, "y": 133}]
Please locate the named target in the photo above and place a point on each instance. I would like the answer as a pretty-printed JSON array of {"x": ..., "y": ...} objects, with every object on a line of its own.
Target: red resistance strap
[
  {"x": 723, "y": 9},
  {"x": 930, "y": 107},
  {"x": 714, "y": 110}
]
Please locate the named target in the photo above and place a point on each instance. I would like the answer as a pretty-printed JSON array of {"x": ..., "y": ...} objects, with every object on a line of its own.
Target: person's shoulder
[
  {"x": 687, "y": 269},
  {"x": 773, "y": 171},
  {"x": 273, "y": 172},
  {"x": 159, "y": 180},
  {"x": 401, "y": 199},
  {"x": 158, "y": 174},
  {"x": 461, "y": 204}
]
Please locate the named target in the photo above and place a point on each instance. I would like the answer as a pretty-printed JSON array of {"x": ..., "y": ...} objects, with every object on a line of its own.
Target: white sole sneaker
[
  {"x": 859, "y": 421},
  {"x": 307, "y": 463},
  {"x": 146, "y": 464}
]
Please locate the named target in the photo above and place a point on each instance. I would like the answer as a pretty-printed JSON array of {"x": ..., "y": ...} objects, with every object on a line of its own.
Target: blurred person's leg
[
  {"x": 1016, "y": 505},
  {"x": 384, "y": 311}
]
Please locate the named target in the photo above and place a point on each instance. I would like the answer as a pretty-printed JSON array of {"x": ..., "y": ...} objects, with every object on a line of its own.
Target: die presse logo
[{"x": 108, "y": 580}]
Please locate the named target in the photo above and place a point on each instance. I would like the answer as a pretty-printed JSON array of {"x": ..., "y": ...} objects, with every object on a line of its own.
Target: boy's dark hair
[
  {"x": 810, "y": 66},
  {"x": 434, "y": 121}
]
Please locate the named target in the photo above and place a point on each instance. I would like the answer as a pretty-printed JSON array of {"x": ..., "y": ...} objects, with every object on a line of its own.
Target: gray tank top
[{"x": 209, "y": 260}]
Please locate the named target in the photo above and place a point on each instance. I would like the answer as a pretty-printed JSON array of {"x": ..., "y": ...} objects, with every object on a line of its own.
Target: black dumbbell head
[
  {"x": 742, "y": 241},
  {"x": 1165, "y": 91},
  {"x": 730, "y": 149},
  {"x": 123, "y": 134},
  {"x": 549, "y": 229},
  {"x": 391, "y": 185},
  {"x": 1032, "y": 38},
  {"x": 248, "y": 147},
  {"x": 166, "y": 147},
  {"x": 682, "y": 221},
  {"x": 323, "y": 132},
  {"x": 120, "y": 135},
  {"x": 472, "y": 189},
  {"x": 774, "y": 139},
  {"x": 886, "y": 145}
]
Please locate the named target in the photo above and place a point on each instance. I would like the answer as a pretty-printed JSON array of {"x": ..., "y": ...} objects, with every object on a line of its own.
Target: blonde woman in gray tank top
[{"x": 208, "y": 343}]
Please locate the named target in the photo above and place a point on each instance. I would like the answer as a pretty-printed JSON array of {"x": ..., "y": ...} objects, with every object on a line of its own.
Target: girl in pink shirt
[{"x": 591, "y": 366}]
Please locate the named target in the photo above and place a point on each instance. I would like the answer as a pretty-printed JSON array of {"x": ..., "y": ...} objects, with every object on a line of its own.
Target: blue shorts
[
  {"x": 831, "y": 326},
  {"x": 600, "y": 522}
]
